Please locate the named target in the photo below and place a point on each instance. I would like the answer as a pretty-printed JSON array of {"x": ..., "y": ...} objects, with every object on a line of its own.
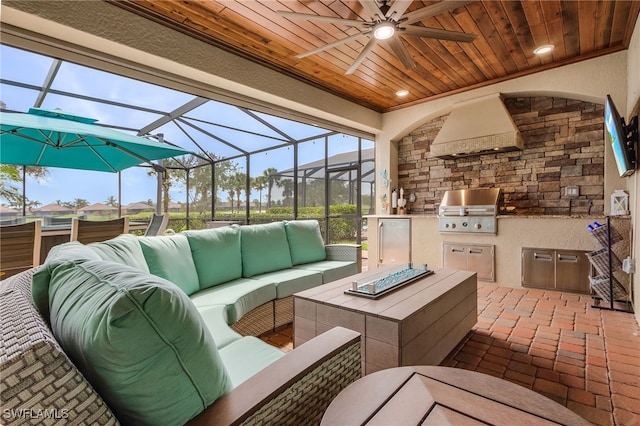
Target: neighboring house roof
[
  {"x": 53, "y": 207},
  {"x": 138, "y": 206},
  {"x": 9, "y": 212},
  {"x": 97, "y": 207}
]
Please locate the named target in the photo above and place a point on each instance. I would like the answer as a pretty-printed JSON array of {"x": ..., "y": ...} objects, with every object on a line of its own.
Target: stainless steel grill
[{"x": 470, "y": 210}]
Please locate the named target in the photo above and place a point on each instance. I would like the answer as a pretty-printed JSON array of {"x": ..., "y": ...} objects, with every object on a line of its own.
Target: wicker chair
[
  {"x": 157, "y": 225},
  {"x": 19, "y": 247},
  {"x": 93, "y": 231}
]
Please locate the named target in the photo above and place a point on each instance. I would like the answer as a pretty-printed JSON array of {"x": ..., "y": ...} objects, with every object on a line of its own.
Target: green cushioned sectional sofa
[{"x": 161, "y": 330}]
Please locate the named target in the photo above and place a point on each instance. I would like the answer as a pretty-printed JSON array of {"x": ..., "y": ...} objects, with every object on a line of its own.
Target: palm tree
[
  {"x": 33, "y": 205},
  {"x": 287, "y": 191},
  {"x": 269, "y": 174},
  {"x": 239, "y": 184},
  {"x": 111, "y": 201},
  {"x": 80, "y": 203},
  {"x": 232, "y": 196},
  {"x": 260, "y": 183}
]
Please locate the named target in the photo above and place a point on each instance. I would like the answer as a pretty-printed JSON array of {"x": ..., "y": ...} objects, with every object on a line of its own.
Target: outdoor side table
[{"x": 442, "y": 395}]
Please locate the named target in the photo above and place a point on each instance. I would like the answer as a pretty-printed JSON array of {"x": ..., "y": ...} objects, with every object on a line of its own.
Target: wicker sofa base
[
  {"x": 256, "y": 322},
  {"x": 38, "y": 382},
  {"x": 266, "y": 318},
  {"x": 283, "y": 311}
]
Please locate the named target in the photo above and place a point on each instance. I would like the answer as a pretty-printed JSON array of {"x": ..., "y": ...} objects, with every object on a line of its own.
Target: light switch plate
[{"x": 571, "y": 191}]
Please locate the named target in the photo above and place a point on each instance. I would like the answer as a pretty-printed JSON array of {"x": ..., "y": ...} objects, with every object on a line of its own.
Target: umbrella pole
[
  {"x": 24, "y": 190},
  {"x": 160, "y": 185},
  {"x": 160, "y": 179},
  {"x": 119, "y": 194}
]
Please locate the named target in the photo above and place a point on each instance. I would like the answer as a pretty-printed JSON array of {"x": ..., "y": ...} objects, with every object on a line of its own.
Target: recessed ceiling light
[
  {"x": 402, "y": 93},
  {"x": 542, "y": 50},
  {"x": 384, "y": 30}
]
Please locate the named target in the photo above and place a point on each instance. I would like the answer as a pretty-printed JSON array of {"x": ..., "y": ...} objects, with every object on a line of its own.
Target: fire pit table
[{"x": 416, "y": 324}]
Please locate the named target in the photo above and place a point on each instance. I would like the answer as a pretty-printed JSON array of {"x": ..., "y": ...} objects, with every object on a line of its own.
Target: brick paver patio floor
[{"x": 554, "y": 343}]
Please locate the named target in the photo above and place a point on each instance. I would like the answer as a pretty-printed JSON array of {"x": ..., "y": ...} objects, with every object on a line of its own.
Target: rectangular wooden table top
[{"x": 397, "y": 305}]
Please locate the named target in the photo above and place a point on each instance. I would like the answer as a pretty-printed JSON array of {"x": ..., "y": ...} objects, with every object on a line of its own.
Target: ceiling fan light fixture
[
  {"x": 542, "y": 50},
  {"x": 384, "y": 30}
]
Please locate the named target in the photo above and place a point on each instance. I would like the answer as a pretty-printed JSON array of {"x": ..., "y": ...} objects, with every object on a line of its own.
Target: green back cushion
[
  {"x": 305, "y": 241},
  {"x": 63, "y": 253},
  {"x": 139, "y": 341},
  {"x": 124, "y": 249},
  {"x": 264, "y": 248},
  {"x": 169, "y": 257},
  {"x": 216, "y": 254}
]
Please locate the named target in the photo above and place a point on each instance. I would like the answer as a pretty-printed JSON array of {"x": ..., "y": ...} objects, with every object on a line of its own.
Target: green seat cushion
[
  {"x": 215, "y": 318},
  {"x": 264, "y": 248},
  {"x": 331, "y": 270},
  {"x": 305, "y": 241},
  {"x": 124, "y": 249},
  {"x": 216, "y": 254},
  {"x": 169, "y": 257},
  {"x": 58, "y": 255},
  {"x": 239, "y": 296},
  {"x": 247, "y": 356},
  {"x": 290, "y": 281},
  {"x": 139, "y": 341}
]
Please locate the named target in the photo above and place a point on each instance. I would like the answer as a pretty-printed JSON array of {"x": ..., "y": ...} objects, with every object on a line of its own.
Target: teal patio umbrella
[{"x": 57, "y": 139}]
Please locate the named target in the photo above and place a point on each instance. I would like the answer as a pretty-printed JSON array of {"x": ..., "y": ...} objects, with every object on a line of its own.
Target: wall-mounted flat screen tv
[{"x": 623, "y": 138}]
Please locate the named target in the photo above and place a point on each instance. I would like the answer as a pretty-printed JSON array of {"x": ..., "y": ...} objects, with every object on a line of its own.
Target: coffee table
[
  {"x": 427, "y": 395},
  {"x": 417, "y": 324}
]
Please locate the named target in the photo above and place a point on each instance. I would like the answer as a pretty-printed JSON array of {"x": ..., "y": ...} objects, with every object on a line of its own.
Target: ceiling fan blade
[
  {"x": 330, "y": 45},
  {"x": 372, "y": 9},
  {"x": 361, "y": 56},
  {"x": 399, "y": 7},
  {"x": 327, "y": 19},
  {"x": 434, "y": 9},
  {"x": 416, "y": 31},
  {"x": 400, "y": 50}
]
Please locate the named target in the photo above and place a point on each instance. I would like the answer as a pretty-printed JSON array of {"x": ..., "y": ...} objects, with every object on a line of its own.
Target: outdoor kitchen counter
[{"x": 514, "y": 233}]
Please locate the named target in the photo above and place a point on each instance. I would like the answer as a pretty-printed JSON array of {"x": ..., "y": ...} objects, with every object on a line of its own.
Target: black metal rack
[{"x": 609, "y": 292}]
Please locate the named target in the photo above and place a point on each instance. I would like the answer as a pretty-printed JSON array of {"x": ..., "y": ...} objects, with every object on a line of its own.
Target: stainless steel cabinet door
[
  {"x": 538, "y": 268},
  {"x": 454, "y": 256},
  {"x": 394, "y": 241},
  {"x": 476, "y": 258},
  {"x": 481, "y": 260},
  {"x": 572, "y": 271}
]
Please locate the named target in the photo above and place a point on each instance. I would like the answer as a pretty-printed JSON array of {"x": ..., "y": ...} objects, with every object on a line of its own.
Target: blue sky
[{"x": 67, "y": 185}]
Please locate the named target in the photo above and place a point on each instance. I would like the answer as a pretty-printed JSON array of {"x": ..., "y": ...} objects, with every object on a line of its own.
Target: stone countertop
[{"x": 502, "y": 216}]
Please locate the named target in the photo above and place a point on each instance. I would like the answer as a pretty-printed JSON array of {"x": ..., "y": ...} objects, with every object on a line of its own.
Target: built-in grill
[{"x": 470, "y": 210}]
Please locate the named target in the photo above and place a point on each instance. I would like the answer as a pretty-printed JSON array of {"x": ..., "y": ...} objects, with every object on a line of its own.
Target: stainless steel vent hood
[{"x": 477, "y": 126}]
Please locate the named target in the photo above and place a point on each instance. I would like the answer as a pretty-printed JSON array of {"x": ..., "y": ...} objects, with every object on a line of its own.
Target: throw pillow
[
  {"x": 58, "y": 255},
  {"x": 139, "y": 341},
  {"x": 124, "y": 249}
]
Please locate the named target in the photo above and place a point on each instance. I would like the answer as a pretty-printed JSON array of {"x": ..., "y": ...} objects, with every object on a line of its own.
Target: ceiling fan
[{"x": 386, "y": 23}]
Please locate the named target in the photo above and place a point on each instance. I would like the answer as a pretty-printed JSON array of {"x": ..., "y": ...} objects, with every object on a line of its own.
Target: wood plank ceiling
[{"x": 508, "y": 31}]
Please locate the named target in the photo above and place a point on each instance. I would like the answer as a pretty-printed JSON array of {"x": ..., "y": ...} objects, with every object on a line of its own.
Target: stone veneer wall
[{"x": 563, "y": 146}]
